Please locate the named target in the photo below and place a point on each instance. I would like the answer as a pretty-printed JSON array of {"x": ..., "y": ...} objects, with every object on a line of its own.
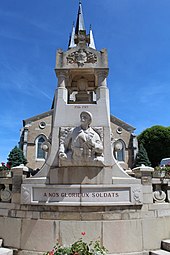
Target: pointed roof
[
  {"x": 71, "y": 41},
  {"x": 92, "y": 43},
  {"x": 78, "y": 34},
  {"x": 80, "y": 20}
]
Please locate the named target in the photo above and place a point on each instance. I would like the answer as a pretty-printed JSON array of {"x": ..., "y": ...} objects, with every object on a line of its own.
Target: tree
[
  {"x": 16, "y": 157},
  {"x": 156, "y": 141},
  {"x": 142, "y": 157}
]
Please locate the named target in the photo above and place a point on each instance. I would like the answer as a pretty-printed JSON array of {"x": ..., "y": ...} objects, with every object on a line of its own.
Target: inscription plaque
[{"x": 81, "y": 195}]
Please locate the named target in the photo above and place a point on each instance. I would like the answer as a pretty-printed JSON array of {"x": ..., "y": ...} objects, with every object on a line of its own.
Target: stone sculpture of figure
[{"x": 82, "y": 142}]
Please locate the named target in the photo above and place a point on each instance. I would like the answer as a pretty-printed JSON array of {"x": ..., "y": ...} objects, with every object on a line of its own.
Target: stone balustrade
[{"x": 10, "y": 184}]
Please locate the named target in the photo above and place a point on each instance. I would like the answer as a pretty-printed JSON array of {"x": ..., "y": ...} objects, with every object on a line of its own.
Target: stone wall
[
  {"x": 34, "y": 127},
  {"x": 126, "y": 137},
  {"x": 133, "y": 229},
  {"x": 121, "y": 230}
]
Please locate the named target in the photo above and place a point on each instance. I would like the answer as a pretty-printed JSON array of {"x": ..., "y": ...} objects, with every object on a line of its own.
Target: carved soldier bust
[{"x": 82, "y": 143}]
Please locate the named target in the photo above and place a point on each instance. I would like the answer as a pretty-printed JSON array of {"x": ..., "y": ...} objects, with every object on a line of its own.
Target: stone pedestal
[
  {"x": 145, "y": 174},
  {"x": 17, "y": 180}
]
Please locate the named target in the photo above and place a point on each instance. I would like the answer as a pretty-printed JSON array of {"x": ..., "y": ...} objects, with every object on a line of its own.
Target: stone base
[
  {"x": 125, "y": 230},
  {"x": 41, "y": 253},
  {"x": 30, "y": 253}
]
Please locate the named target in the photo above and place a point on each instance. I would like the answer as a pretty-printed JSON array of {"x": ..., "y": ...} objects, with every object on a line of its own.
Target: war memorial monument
[{"x": 81, "y": 186}]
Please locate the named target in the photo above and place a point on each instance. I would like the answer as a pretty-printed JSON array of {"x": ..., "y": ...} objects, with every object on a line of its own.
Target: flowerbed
[{"x": 78, "y": 248}]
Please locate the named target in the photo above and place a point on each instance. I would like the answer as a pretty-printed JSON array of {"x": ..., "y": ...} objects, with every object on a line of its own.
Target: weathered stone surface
[
  {"x": 155, "y": 230},
  {"x": 163, "y": 213},
  {"x": 148, "y": 214},
  {"x": 70, "y": 231},
  {"x": 16, "y": 198},
  {"x": 91, "y": 216},
  {"x": 10, "y": 229},
  {"x": 4, "y": 212},
  {"x": 20, "y": 214},
  {"x": 69, "y": 216},
  {"x": 49, "y": 215},
  {"x": 147, "y": 189},
  {"x": 35, "y": 215},
  {"x": 118, "y": 236},
  {"x": 157, "y": 206},
  {"x": 112, "y": 216},
  {"x": 39, "y": 235},
  {"x": 83, "y": 175},
  {"x": 147, "y": 198},
  {"x": 8, "y": 205},
  {"x": 16, "y": 183}
]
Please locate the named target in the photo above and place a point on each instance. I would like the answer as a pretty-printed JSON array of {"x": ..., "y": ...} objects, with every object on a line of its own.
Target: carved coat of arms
[{"x": 81, "y": 57}]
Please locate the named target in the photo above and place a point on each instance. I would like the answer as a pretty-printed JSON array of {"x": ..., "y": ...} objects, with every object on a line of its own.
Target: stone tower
[{"x": 80, "y": 148}]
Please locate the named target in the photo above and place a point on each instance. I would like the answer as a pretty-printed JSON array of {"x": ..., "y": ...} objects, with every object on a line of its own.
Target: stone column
[{"x": 145, "y": 174}]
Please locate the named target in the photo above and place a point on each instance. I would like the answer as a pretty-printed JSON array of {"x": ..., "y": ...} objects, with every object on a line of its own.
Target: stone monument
[{"x": 80, "y": 169}]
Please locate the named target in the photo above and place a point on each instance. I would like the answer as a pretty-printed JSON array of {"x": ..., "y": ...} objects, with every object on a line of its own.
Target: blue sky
[{"x": 136, "y": 34}]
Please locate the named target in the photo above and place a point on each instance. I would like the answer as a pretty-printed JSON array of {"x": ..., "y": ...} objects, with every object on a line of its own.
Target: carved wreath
[{"x": 81, "y": 57}]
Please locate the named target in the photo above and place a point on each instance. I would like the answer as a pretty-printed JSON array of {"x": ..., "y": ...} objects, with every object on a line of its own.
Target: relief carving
[
  {"x": 6, "y": 194},
  {"x": 26, "y": 196},
  {"x": 137, "y": 195},
  {"x": 83, "y": 143},
  {"x": 159, "y": 196},
  {"x": 81, "y": 57}
]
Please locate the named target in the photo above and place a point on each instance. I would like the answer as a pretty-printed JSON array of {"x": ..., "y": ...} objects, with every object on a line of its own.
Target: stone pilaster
[
  {"x": 101, "y": 77},
  {"x": 62, "y": 78},
  {"x": 145, "y": 174},
  {"x": 17, "y": 181}
]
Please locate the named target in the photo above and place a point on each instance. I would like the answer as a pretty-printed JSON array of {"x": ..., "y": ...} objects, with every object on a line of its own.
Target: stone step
[
  {"x": 5, "y": 251},
  {"x": 165, "y": 245},
  {"x": 159, "y": 252}
]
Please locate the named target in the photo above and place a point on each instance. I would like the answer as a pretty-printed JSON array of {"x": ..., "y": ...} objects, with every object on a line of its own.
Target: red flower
[
  {"x": 8, "y": 166},
  {"x": 83, "y": 233},
  {"x": 51, "y": 252}
]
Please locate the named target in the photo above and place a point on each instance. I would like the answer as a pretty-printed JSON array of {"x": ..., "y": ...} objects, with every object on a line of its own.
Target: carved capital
[
  {"x": 62, "y": 76},
  {"x": 101, "y": 76}
]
